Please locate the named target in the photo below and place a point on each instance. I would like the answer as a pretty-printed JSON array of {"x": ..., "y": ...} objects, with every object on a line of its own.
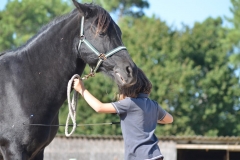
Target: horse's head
[{"x": 101, "y": 35}]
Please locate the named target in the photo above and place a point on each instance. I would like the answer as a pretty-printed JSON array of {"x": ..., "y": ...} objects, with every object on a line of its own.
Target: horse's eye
[{"x": 102, "y": 34}]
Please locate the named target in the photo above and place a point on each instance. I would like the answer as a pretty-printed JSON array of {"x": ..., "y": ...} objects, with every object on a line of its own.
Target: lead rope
[{"x": 72, "y": 106}]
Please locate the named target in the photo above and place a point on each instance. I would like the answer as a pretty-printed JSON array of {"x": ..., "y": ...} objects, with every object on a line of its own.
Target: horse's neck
[
  {"x": 52, "y": 49},
  {"x": 51, "y": 59}
]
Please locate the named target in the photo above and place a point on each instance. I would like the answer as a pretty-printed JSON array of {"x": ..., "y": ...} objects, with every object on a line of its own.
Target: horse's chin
[{"x": 120, "y": 79}]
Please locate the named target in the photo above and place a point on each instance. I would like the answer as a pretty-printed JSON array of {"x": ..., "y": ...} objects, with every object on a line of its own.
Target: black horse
[{"x": 34, "y": 77}]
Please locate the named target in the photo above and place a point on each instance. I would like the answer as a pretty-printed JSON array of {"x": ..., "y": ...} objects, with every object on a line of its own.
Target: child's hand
[{"x": 78, "y": 85}]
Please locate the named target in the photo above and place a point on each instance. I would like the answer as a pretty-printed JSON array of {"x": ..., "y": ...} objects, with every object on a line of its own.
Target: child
[{"x": 139, "y": 116}]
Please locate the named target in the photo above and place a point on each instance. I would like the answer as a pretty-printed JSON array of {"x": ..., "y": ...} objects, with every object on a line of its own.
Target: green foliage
[
  {"x": 20, "y": 20},
  {"x": 190, "y": 73},
  {"x": 234, "y": 34}
]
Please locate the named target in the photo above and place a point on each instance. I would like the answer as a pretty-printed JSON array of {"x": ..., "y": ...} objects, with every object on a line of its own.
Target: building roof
[
  {"x": 177, "y": 139},
  {"x": 202, "y": 139}
]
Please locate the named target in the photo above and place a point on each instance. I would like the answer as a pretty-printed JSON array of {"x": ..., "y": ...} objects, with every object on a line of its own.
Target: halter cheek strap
[{"x": 101, "y": 56}]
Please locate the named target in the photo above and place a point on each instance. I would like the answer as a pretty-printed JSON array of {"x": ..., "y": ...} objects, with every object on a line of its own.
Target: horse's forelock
[{"x": 102, "y": 19}]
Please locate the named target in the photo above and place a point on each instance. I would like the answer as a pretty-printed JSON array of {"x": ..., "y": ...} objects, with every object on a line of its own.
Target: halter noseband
[{"x": 101, "y": 56}]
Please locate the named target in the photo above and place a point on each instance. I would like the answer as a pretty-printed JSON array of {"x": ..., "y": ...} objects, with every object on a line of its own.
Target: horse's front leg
[
  {"x": 1, "y": 155},
  {"x": 53, "y": 132}
]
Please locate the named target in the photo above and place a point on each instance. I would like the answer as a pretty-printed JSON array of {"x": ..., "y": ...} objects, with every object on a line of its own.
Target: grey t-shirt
[{"x": 138, "y": 122}]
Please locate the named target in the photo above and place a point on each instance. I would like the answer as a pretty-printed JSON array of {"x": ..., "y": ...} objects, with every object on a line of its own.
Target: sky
[{"x": 178, "y": 12}]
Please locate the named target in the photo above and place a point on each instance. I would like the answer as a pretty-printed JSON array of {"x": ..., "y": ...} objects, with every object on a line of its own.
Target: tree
[
  {"x": 20, "y": 20},
  {"x": 190, "y": 73},
  {"x": 234, "y": 35},
  {"x": 214, "y": 98}
]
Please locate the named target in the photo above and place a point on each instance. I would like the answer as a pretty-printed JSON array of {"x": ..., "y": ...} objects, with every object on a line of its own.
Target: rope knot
[
  {"x": 91, "y": 74},
  {"x": 82, "y": 37},
  {"x": 102, "y": 56}
]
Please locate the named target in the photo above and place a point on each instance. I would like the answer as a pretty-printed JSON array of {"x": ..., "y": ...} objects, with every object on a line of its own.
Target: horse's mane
[
  {"x": 52, "y": 23},
  {"x": 57, "y": 20},
  {"x": 45, "y": 27},
  {"x": 102, "y": 20},
  {"x": 2, "y": 53}
]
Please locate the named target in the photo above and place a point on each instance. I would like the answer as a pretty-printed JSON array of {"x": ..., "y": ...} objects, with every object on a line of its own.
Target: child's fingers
[{"x": 75, "y": 82}]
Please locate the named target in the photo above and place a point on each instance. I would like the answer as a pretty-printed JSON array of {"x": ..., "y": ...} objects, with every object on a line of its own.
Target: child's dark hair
[{"x": 143, "y": 85}]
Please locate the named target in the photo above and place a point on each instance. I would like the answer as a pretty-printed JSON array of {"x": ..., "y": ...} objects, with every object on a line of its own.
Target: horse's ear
[{"x": 81, "y": 8}]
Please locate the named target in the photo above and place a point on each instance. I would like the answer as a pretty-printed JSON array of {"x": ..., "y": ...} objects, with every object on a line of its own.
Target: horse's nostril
[{"x": 129, "y": 70}]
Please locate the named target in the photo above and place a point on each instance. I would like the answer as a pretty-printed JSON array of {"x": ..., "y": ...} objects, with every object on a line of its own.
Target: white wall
[{"x": 96, "y": 148}]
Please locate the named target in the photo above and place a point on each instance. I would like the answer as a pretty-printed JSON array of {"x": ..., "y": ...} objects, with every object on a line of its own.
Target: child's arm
[
  {"x": 167, "y": 119},
  {"x": 91, "y": 100}
]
